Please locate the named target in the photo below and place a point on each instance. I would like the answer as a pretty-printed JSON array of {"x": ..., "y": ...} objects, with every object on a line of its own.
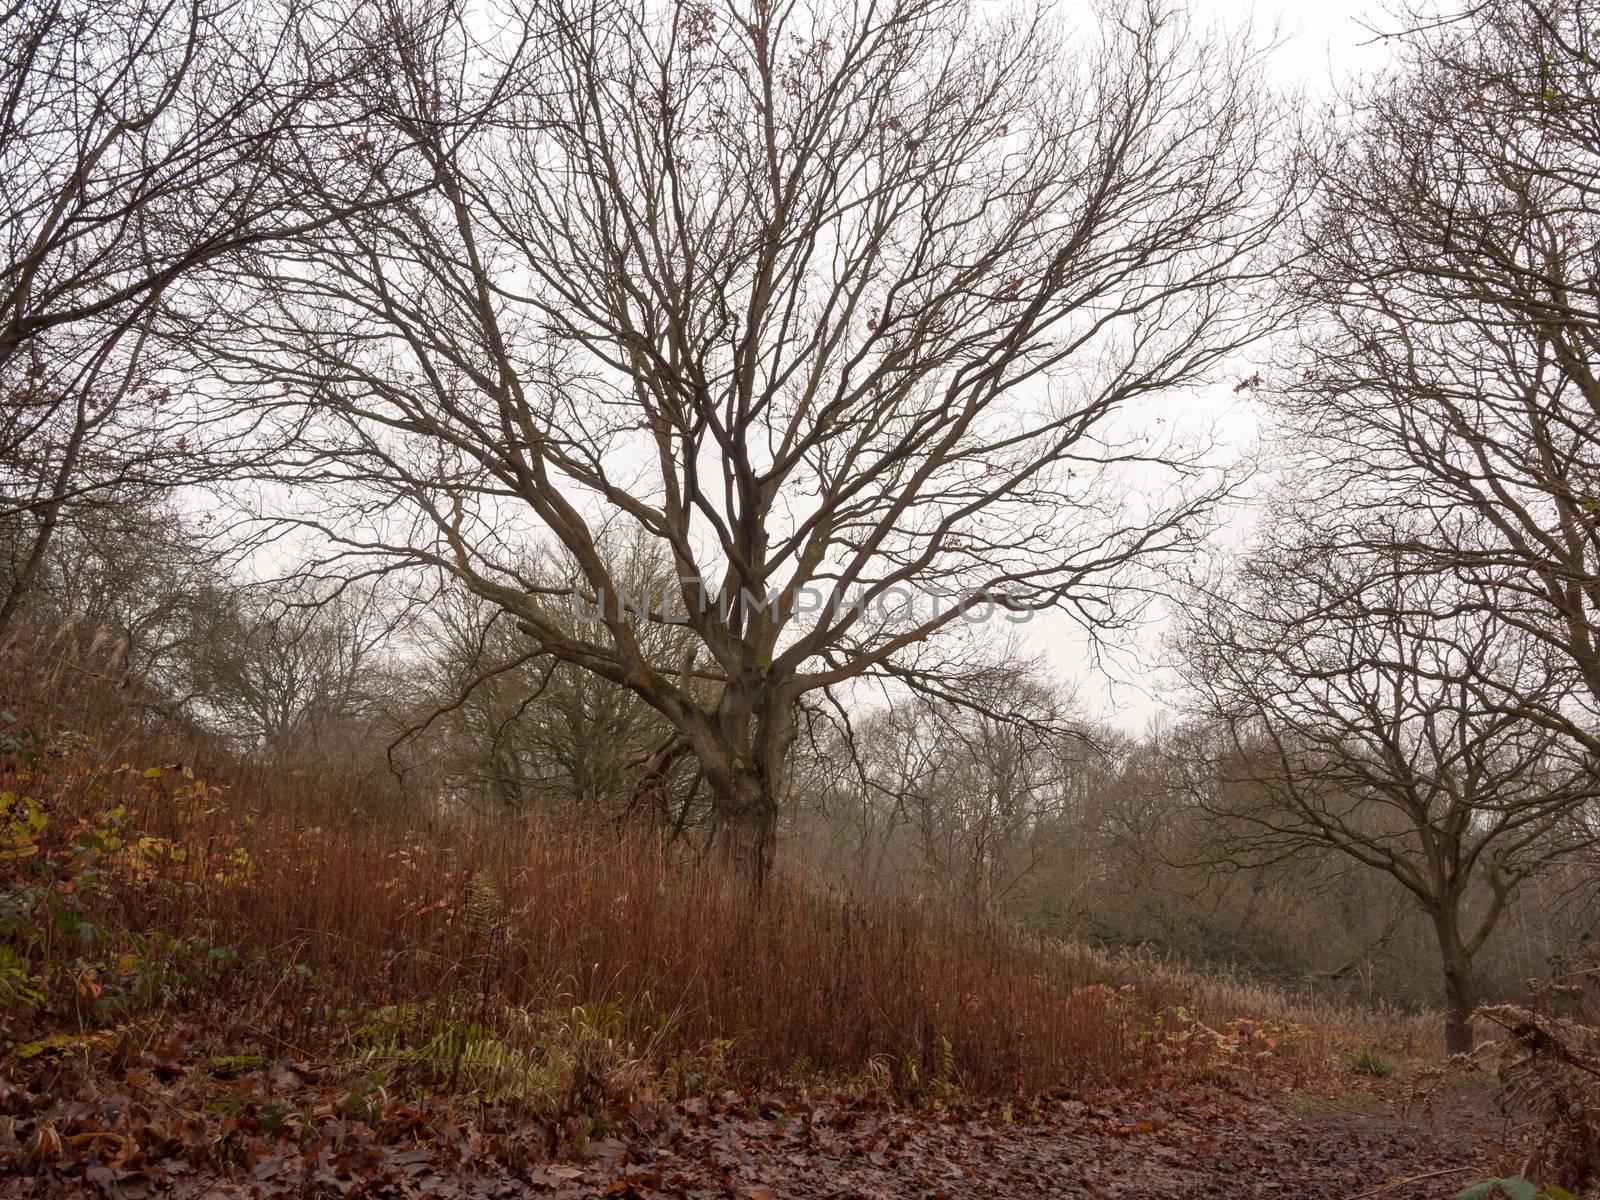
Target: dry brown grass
[
  {"x": 324, "y": 907},
  {"x": 372, "y": 909},
  {"x": 1336, "y": 1025}
]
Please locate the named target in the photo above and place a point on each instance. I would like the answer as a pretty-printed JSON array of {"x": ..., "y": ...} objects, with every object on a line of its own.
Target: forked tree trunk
[{"x": 744, "y": 767}]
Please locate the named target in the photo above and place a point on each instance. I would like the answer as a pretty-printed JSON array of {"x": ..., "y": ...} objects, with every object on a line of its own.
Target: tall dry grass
[
  {"x": 360, "y": 906},
  {"x": 327, "y": 901}
]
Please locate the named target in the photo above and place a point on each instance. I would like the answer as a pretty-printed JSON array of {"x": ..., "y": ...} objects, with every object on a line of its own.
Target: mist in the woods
[{"x": 594, "y": 558}]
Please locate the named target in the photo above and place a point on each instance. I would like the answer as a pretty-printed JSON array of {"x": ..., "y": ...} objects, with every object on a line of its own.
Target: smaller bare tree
[
  {"x": 959, "y": 800},
  {"x": 498, "y": 721},
  {"x": 294, "y": 675},
  {"x": 1349, "y": 707}
]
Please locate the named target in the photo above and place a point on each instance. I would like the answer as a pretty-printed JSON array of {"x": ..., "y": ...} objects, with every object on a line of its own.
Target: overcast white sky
[
  {"x": 1324, "y": 40},
  {"x": 1323, "y": 43}
]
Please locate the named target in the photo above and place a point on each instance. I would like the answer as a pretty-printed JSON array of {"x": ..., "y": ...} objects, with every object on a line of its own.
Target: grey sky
[{"x": 1321, "y": 46}]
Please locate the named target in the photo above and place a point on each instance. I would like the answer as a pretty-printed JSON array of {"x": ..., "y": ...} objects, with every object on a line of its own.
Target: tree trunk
[
  {"x": 751, "y": 833},
  {"x": 1460, "y": 990},
  {"x": 49, "y": 518},
  {"x": 743, "y": 751},
  {"x": 28, "y": 575},
  {"x": 1461, "y": 998}
]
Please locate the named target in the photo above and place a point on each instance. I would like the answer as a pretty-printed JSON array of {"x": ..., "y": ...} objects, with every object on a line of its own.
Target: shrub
[
  {"x": 1368, "y": 1061},
  {"x": 1549, "y": 1071}
]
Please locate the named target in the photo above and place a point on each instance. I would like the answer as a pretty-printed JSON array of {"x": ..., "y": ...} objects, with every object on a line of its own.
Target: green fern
[{"x": 485, "y": 910}]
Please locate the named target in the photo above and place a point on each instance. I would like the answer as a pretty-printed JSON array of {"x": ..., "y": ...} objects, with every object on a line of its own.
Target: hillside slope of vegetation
[
  {"x": 272, "y": 952},
  {"x": 556, "y": 558}
]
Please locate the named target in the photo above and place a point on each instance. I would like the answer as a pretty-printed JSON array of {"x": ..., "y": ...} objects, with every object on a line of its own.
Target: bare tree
[
  {"x": 124, "y": 609},
  {"x": 296, "y": 675},
  {"x": 982, "y": 810},
  {"x": 139, "y": 140},
  {"x": 848, "y": 306},
  {"x": 1349, "y": 707},
  {"x": 1447, "y": 364},
  {"x": 956, "y": 800},
  {"x": 850, "y": 783}
]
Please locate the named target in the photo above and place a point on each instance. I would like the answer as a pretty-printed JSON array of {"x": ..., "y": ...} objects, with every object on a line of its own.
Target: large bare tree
[
  {"x": 1348, "y": 707},
  {"x": 1449, "y": 364},
  {"x": 848, "y": 306}
]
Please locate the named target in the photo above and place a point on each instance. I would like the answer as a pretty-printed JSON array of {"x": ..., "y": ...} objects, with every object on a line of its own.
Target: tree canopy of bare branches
[
  {"x": 844, "y": 305},
  {"x": 1349, "y": 707},
  {"x": 1447, "y": 361},
  {"x": 139, "y": 140}
]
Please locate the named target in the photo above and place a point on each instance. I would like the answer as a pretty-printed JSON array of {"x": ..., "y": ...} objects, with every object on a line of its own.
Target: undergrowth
[{"x": 554, "y": 968}]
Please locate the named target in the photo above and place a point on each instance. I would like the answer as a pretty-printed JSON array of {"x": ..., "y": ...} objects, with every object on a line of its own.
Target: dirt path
[
  {"x": 1203, "y": 1142},
  {"x": 1204, "y": 1145}
]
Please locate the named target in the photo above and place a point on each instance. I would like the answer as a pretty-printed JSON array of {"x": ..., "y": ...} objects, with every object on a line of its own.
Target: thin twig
[{"x": 1389, "y": 1187}]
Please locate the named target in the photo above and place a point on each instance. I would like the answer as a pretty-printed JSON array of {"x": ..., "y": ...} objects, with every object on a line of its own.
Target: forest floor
[
  {"x": 162, "y": 1130},
  {"x": 262, "y": 989}
]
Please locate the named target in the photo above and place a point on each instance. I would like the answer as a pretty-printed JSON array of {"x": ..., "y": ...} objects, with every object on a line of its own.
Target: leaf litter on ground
[{"x": 163, "y": 1127}]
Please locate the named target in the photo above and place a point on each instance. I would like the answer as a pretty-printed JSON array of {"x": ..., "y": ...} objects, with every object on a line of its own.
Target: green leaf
[{"x": 1515, "y": 1188}]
